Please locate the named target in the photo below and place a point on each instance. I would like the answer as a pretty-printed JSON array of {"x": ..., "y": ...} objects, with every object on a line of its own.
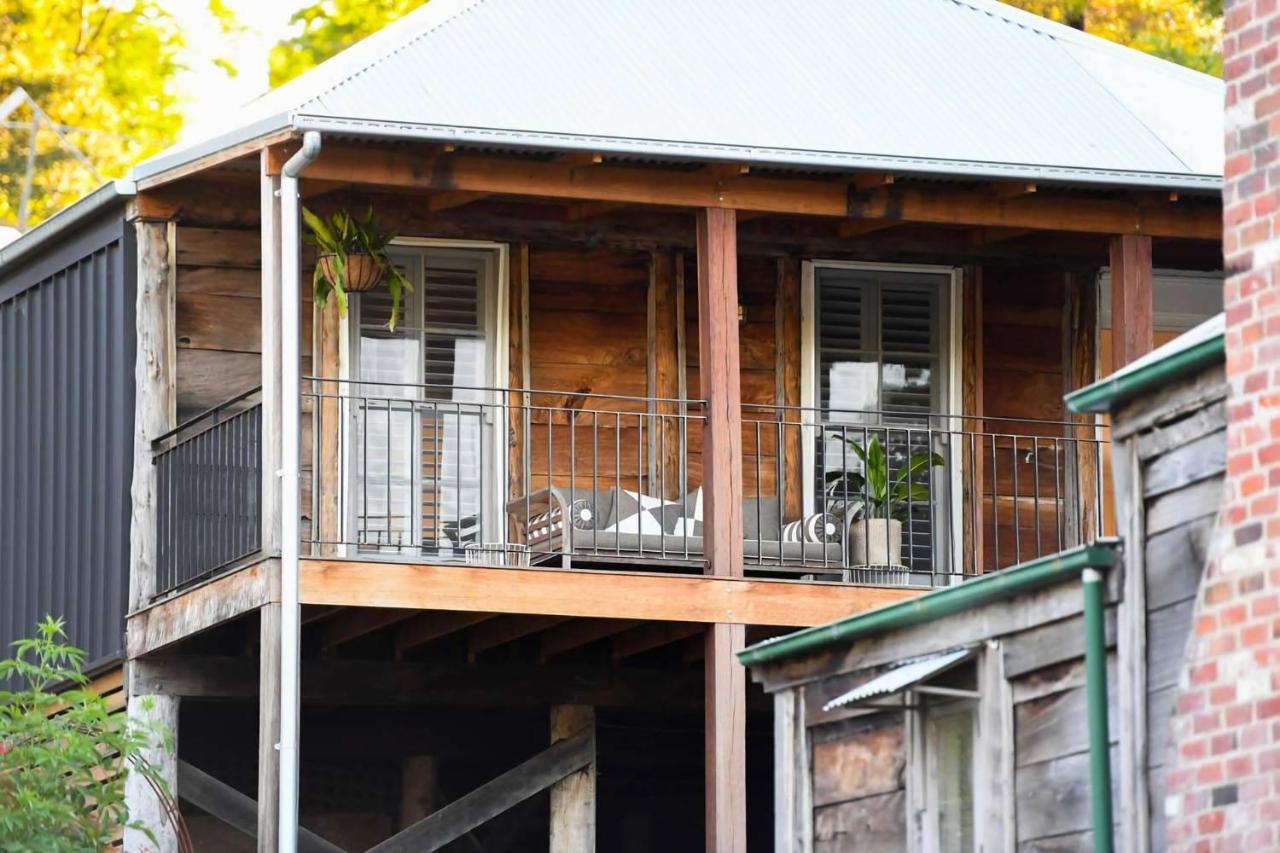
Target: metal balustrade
[{"x": 209, "y": 492}]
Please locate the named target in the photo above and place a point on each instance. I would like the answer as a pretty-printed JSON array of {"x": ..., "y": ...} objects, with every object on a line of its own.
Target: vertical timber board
[
  {"x": 327, "y": 529},
  {"x": 971, "y": 405},
  {"x": 1080, "y": 366},
  {"x": 787, "y": 356},
  {"x": 145, "y": 807},
  {"x": 664, "y": 375},
  {"x": 792, "y": 785},
  {"x": 719, "y": 374},
  {"x": 518, "y": 372},
  {"x": 1132, "y": 652},
  {"x": 268, "y": 727},
  {"x": 272, "y": 362},
  {"x": 1132, "y": 311},
  {"x": 573, "y": 798},
  {"x": 154, "y": 396},
  {"x": 996, "y": 801},
  {"x": 726, "y": 742}
]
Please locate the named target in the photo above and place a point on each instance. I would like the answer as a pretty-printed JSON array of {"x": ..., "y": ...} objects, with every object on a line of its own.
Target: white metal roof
[
  {"x": 902, "y": 677},
  {"x": 946, "y": 87}
]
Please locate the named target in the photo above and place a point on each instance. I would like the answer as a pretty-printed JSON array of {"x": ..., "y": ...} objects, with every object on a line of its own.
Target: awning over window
[{"x": 904, "y": 676}]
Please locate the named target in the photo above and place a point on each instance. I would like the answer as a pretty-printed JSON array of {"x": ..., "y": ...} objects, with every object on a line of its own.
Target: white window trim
[
  {"x": 495, "y": 304},
  {"x": 952, "y": 326}
]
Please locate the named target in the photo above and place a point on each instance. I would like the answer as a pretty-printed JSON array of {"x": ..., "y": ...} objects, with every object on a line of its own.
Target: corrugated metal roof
[
  {"x": 952, "y": 87},
  {"x": 904, "y": 676}
]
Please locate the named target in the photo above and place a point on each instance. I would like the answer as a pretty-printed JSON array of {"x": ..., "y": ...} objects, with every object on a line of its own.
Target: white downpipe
[{"x": 290, "y": 398}]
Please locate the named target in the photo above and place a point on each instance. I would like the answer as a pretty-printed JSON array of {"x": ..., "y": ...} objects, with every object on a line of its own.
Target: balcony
[{"x": 500, "y": 477}]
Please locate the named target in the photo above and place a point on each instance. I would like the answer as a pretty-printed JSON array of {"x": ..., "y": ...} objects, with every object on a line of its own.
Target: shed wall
[{"x": 66, "y": 437}]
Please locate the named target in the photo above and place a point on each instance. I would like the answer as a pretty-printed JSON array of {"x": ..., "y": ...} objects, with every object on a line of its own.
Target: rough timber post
[
  {"x": 155, "y": 411},
  {"x": 145, "y": 807},
  {"x": 573, "y": 798},
  {"x": 726, "y": 818},
  {"x": 1131, "y": 307}
]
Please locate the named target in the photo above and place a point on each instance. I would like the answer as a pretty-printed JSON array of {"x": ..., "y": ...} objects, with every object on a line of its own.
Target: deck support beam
[
  {"x": 1132, "y": 329},
  {"x": 719, "y": 370}
]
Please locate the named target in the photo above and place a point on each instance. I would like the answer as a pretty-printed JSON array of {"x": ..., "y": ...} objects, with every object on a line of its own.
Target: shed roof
[
  {"x": 1189, "y": 352},
  {"x": 943, "y": 87}
]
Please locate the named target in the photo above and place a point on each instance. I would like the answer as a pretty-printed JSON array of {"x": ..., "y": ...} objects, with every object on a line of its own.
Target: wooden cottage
[
  {"x": 1028, "y": 709},
  {"x": 725, "y": 320}
]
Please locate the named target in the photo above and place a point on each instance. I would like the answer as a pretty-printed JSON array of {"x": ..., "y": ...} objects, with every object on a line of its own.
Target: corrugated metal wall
[{"x": 66, "y": 436}]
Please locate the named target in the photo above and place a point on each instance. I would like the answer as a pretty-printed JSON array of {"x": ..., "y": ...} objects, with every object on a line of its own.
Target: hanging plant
[{"x": 353, "y": 257}]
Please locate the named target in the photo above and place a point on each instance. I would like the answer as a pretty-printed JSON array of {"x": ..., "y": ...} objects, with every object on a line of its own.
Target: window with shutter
[
  {"x": 420, "y": 431},
  {"x": 881, "y": 374}
]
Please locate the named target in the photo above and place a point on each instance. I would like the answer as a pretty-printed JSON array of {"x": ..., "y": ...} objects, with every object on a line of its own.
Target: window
[
  {"x": 421, "y": 434},
  {"x": 880, "y": 368}
]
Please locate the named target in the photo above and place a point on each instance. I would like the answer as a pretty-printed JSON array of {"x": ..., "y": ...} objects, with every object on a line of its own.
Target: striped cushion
[{"x": 819, "y": 527}]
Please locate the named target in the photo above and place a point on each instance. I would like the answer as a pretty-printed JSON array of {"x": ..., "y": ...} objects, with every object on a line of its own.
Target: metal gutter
[
  {"x": 934, "y": 605},
  {"x": 780, "y": 157},
  {"x": 64, "y": 220},
  {"x": 1105, "y": 395},
  {"x": 182, "y": 155}
]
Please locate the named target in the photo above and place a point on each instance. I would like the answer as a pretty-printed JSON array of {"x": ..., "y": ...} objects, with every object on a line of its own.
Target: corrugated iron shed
[{"x": 943, "y": 87}]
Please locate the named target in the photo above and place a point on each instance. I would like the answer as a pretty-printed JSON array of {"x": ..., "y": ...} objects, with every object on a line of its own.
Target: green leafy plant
[
  {"x": 344, "y": 236},
  {"x": 63, "y": 752},
  {"x": 886, "y": 493}
]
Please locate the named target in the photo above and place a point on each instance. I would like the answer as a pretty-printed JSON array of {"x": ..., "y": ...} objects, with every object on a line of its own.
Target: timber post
[
  {"x": 1132, "y": 329},
  {"x": 726, "y": 686},
  {"x": 573, "y": 798},
  {"x": 145, "y": 807}
]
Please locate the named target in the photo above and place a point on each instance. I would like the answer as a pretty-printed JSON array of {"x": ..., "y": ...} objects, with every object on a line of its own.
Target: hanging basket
[{"x": 363, "y": 272}]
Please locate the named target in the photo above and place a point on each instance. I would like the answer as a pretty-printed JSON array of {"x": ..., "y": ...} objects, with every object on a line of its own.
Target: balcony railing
[
  {"x": 504, "y": 477},
  {"x": 209, "y": 496}
]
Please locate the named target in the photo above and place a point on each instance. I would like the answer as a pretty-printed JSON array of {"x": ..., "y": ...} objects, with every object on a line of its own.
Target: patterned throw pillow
[
  {"x": 819, "y": 527},
  {"x": 641, "y": 515}
]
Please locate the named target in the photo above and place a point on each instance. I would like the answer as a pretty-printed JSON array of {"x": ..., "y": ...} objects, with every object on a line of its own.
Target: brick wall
[{"x": 1224, "y": 783}]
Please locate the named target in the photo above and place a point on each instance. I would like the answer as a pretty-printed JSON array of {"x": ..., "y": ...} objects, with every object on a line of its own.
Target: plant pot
[
  {"x": 363, "y": 272},
  {"x": 876, "y": 542}
]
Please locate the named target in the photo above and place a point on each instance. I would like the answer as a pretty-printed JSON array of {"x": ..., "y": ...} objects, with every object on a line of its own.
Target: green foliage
[
  {"x": 1188, "y": 32},
  {"x": 886, "y": 493},
  {"x": 328, "y": 27},
  {"x": 62, "y": 753},
  {"x": 343, "y": 235},
  {"x": 104, "y": 72}
]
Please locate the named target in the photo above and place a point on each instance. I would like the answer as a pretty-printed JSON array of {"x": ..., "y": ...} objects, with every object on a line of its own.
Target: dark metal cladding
[{"x": 67, "y": 344}]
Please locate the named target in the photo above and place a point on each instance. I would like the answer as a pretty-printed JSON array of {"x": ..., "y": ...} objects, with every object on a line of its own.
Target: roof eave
[{"x": 83, "y": 209}]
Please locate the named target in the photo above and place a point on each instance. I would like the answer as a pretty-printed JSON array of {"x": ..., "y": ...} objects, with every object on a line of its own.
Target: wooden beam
[
  {"x": 871, "y": 181},
  {"x": 499, "y": 632},
  {"x": 448, "y": 684},
  {"x": 800, "y": 196},
  {"x": 573, "y": 798},
  {"x": 720, "y": 370},
  {"x": 653, "y": 635},
  {"x": 356, "y": 623},
  {"x": 494, "y": 797},
  {"x": 424, "y": 629},
  {"x": 581, "y": 158},
  {"x": 200, "y": 608},
  {"x": 588, "y": 592},
  {"x": 580, "y": 210},
  {"x": 1080, "y": 368},
  {"x": 269, "y": 726},
  {"x": 851, "y": 228},
  {"x": 438, "y": 202},
  {"x": 786, "y": 314},
  {"x": 1132, "y": 312},
  {"x": 235, "y": 152},
  {"x": 722, "y": 171},
  {"x": 235, "y": 809},
  {"x": 271, "y": 310},
  {"x": 155, "y": 396},
  {"x": 666, "y": 367},
  {"x": 518, "y": 371},
  {"x": 990, "y": 236},
  {"x": 972, "y": 397},
  {"x": 1013, "y": 189},
  {"x": 726, "y": 740},
  {"x": 579, "y": 633}
]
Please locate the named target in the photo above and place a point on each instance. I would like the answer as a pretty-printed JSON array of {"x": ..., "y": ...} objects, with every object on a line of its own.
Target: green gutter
[
  {"x": 1104, "y": 395},
  {"x": 936, "y": 604},
  {"x": 1095, "y": 676}
]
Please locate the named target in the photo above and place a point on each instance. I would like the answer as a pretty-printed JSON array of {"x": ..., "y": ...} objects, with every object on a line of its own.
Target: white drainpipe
[{"x": 290, "y": 394}]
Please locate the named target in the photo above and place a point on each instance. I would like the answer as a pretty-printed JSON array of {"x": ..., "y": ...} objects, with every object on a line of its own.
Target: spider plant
[
  {"x": 886, "y": 493},
  {"x": 343, "y": 238}
]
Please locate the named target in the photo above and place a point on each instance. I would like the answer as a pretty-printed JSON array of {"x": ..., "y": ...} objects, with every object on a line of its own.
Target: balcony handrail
[
  {"x": 561, "y": 392},
  {"x": 209, "y": 414},
  {"x": 924, "y": 416}
]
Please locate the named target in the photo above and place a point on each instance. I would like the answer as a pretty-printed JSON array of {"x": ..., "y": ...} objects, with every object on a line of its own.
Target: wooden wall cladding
[
  {"x": 1022, "y": 336},
  {"x": 859, "y": 794}
]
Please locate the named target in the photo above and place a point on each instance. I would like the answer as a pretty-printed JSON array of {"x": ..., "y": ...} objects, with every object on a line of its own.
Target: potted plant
[
  {"x": 886, "y": 495},
  {"x": 353, "y": 257}
]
